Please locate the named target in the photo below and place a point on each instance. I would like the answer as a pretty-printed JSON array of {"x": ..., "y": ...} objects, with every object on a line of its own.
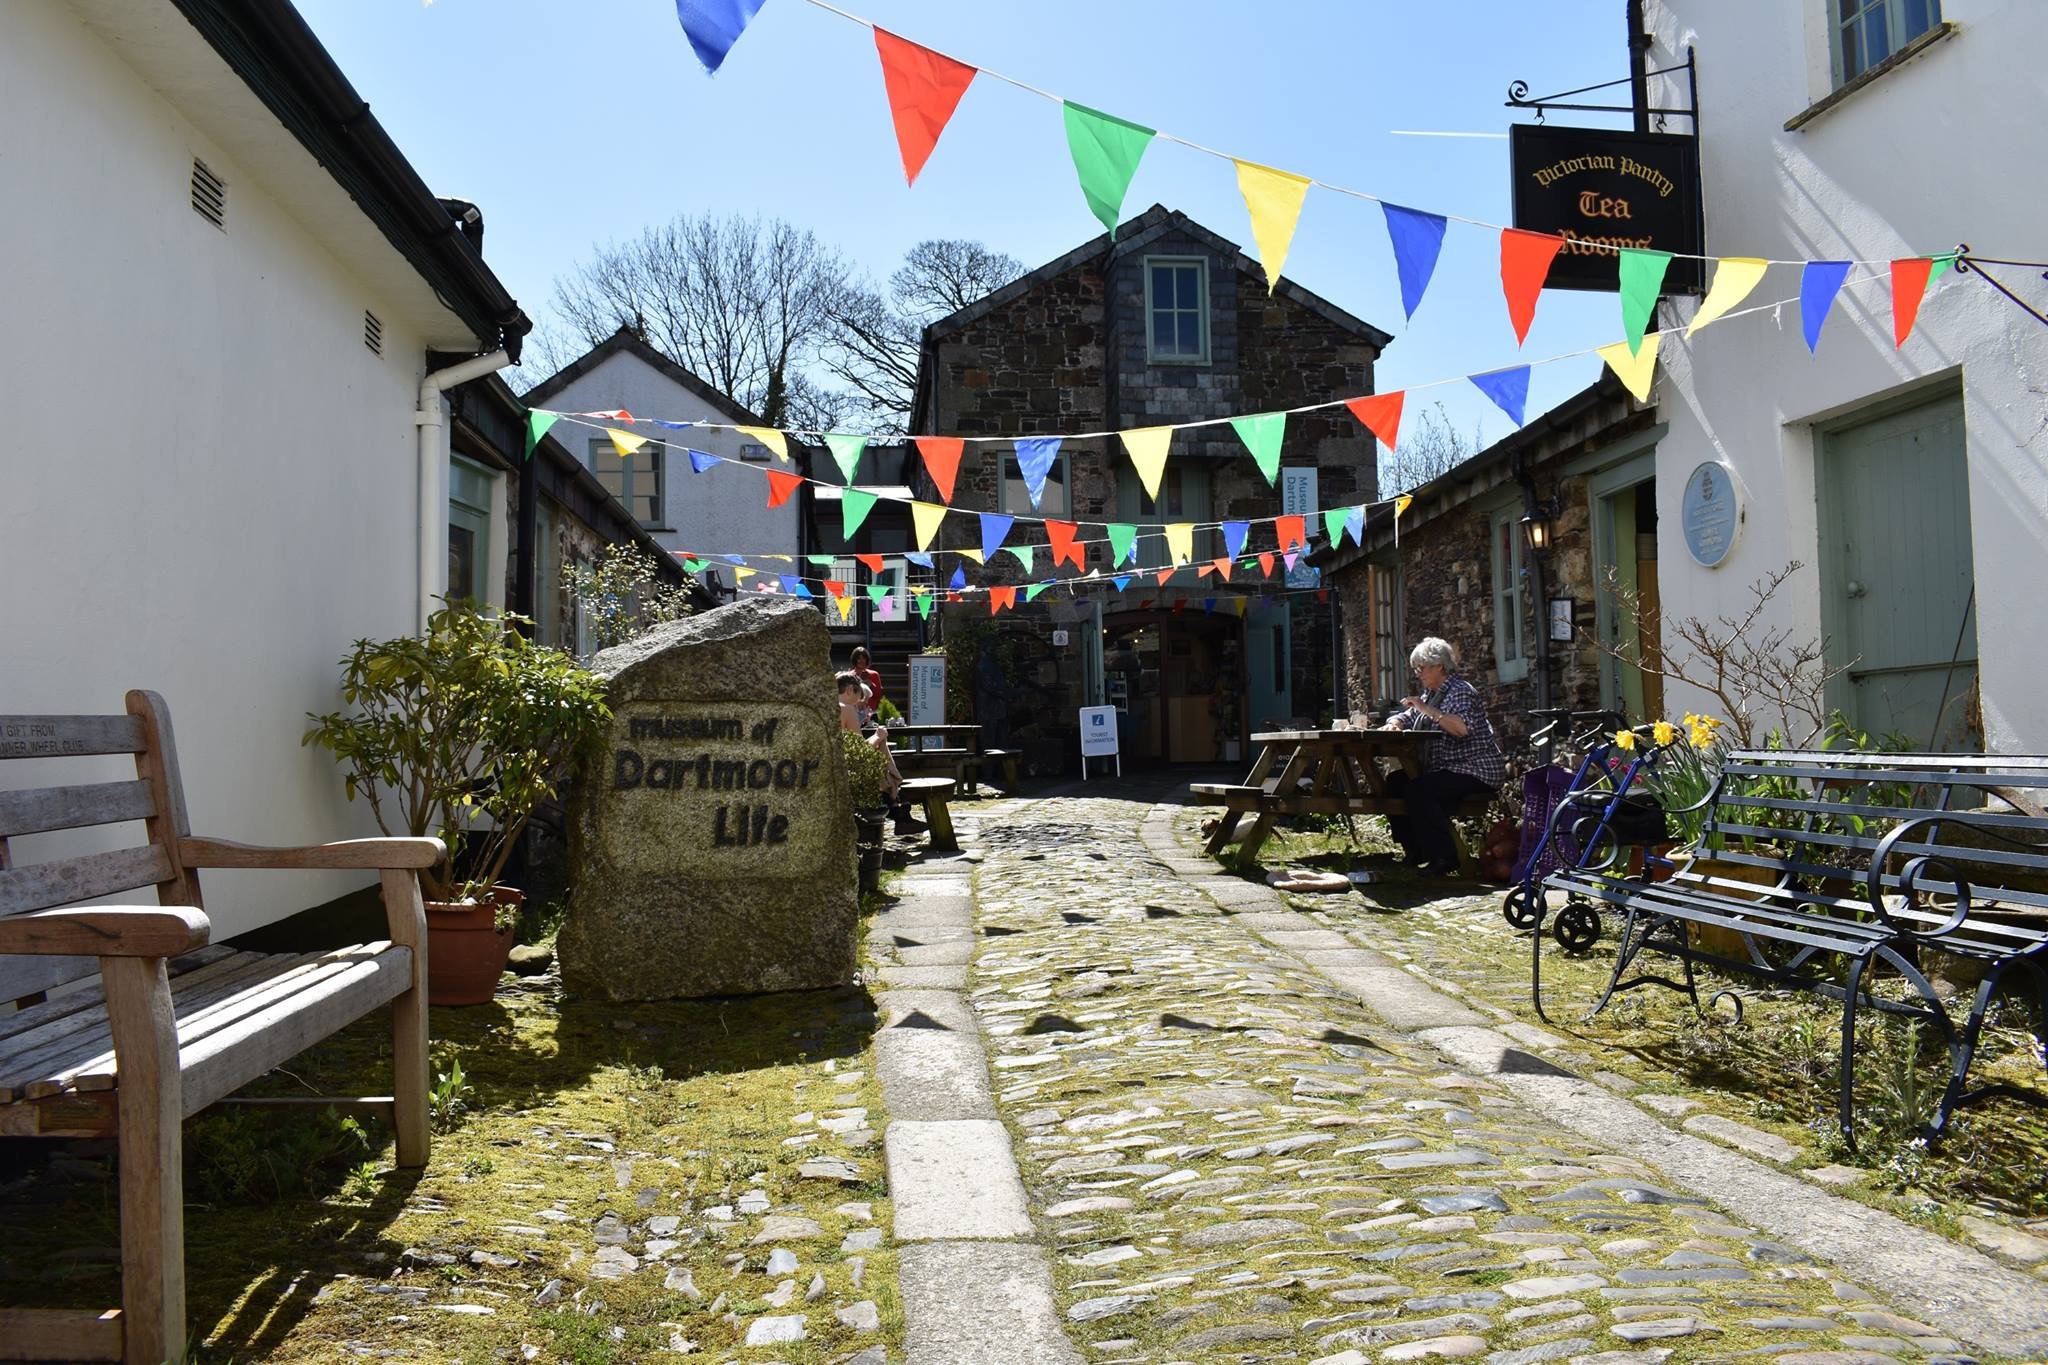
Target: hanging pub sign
[{"x": 1604, "y": 188}]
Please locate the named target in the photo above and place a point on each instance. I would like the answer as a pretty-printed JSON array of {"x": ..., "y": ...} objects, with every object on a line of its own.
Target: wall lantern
[{"x": 1537, "y": 526}]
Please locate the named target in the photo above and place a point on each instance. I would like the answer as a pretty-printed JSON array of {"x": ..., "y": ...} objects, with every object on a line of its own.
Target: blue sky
[{"x": 577, "y": 123}]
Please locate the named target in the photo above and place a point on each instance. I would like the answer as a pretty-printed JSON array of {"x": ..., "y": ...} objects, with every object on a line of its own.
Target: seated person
[
  {"x": 1463, "y": 758},
  {"x": 854, "y": 701}
]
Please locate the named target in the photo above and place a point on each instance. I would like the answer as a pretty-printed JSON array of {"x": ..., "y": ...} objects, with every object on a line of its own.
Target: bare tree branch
[{"x": 1428, "y": 448}]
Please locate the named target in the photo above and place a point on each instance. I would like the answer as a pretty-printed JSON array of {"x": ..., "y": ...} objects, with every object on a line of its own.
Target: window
[
  {"x": 469, "y": 531},
  {"x": 1177, "y": 309},
  {"x": 1183, "y": 496},
  {"x": 634, "y": 481},
  {"x": 1389, "y": 663},
  {"x": 754, "y": 452},
  {"x": 1868, "y": 31},
  {"x": 1055, "y": 501},
  {"x": 1510, "y": 598}
]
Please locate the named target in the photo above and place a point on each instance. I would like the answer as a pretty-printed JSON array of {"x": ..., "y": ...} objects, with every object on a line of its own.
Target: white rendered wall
[
  {"x": 721, "y": 511},
  {"x": 208, "y": 488},
  {"x": 1943, "y": 150}
]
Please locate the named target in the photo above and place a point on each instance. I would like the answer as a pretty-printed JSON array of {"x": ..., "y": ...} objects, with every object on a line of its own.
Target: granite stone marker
[{"x": 711, "y": 851}]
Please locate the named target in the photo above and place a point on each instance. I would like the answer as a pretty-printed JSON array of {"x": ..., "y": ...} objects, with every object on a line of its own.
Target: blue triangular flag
[
  {"x": 1819, "y": 282},
  {"x": 1509, "y": 389},
  {"x": 701, "y": 460},
  {"x": 1123, "y": 580},
  {"x": 1035, "y": 455},
  {"x": 1234, "y": 533},
  {"x": 1417, "y": 238},
  {"x": 921, "y": 558},
  {"x": 790, "y": 582},
  {"x": 734, "y": 559},
  {"x": 674, "y": 426},
  {"x": 994, "y": 526},
  {"x": 1208, "y": 604},
  {"x": 958, "y": 580},
  {"x": 1354, "y": 524},
  {"x": 713, "y": 26}
]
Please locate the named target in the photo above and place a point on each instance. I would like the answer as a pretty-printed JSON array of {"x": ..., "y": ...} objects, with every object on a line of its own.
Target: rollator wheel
[
  {"x": 1523, "y": 906},
  {"x": 1577, "y": 927}
]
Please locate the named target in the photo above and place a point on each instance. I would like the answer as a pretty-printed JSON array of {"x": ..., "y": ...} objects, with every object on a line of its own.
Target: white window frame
[
  {"x": 1200, "y": 265},
  {"x": 1509, "y": 593},
  {"x": 1896, "y": 37},
  {"x": 1016, "y": 498}
]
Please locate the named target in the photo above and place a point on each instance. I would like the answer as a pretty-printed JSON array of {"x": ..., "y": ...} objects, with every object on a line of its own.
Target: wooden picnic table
[
  {"x": 1304, "y": 772},
  {"x": 959, "y": 751}
]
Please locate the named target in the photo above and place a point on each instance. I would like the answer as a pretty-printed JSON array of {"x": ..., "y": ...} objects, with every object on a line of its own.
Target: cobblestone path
[{"x": 1230, "y": 1159}]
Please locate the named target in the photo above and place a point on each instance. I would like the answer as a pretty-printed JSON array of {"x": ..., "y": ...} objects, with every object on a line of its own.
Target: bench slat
[
  {"x": 1997, "y": 820},
  {"x": 89, "y": 1009},
  {"x": 64, "y": 881},
  {"x": 2035, "y": 764},
  {"x": 69, "y": 736},
  {"x": 1962, "y": 853},
  {"x": 88, "y": 995},
  {"x": 94, "y": 803},
  {"x": 1935, "y": 774}
]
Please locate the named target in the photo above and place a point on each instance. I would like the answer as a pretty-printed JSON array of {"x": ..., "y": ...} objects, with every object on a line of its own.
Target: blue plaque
[{"x": 1710, "y": 513}]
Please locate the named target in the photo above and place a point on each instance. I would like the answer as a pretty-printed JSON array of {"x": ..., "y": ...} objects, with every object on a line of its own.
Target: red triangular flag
[
  {"x": 998, "y": 598},
  {"x": 1204, "y": 570},
  {"x": 941, "y": 461},
  {"x": 781, "y": 485},
  {"x": 1909, "y": 286},
  {"x": 1292, "y": 531},
  {"x": 924, "y": 89},
  {"x": 835, "y": 587},
  {"x": 1322, "y": 594},
  {"x": 1381, "y": 414},
  {"x": 874, "y": 562},
  {"x": 1222, "y": 566},
  {"x": 1266, "y": 562},
  {"x": 1524, "y": 263},
  {"x": 1061, "y": 534},
  {"x": 1180, "y": 604},
  {"x": 1163, "y": 575}
]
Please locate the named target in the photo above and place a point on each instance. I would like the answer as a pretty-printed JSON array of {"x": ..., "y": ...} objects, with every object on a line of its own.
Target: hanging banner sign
[{"x": 1602, "y": 187}]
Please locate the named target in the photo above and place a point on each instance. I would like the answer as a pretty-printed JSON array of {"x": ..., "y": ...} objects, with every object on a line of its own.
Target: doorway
[
  {"x": 1179, "y": 679},
  {"x": 1627, "y": 605}
]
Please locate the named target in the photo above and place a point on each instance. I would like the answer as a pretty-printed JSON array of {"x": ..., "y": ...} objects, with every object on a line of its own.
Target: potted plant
[
  {"x": 864, "y": 771},
  {"x": 462, "y": 734}
]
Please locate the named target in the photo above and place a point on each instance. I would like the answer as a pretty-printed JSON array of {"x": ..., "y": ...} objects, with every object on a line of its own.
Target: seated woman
[
  {"x": 854, "y": 705},
  {"x": 1463, "y": 758}
]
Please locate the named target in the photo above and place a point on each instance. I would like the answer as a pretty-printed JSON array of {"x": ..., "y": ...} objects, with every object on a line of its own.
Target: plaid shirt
[{"x": 1478, "y": 753}]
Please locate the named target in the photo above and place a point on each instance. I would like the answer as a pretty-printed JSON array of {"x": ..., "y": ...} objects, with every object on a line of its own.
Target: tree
[
  {"x": 1428, "y": 448},
  {"x": 876, "y": 336},
  {"x": 744, "y": 305}
]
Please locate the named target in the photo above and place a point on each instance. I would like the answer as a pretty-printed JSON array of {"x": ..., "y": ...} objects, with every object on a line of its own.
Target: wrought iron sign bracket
[{"x": 1518, "y": 95}]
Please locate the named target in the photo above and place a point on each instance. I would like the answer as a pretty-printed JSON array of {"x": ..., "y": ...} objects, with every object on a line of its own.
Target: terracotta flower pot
[{"x": 466, "y": 950}]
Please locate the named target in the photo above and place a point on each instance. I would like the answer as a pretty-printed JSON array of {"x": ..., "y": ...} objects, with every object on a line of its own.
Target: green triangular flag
[
  {"x": 854, "y": 506},
  {"x": 1333, "y": 523},
  {"x": 694, "y": 565},
  {"x": 1121, "y": 538},
  {"x": 1642, "y": 278},
  {"x": 924, "y": 605},
  {"x": 538, "y": 422},
  {"x": 846, "y": 451},
  {"x": 876, "y": 592},
  {"x": 1262, "y": 434},
  {"x": 1940, "y": 266},
  {"x": 823, "y": 561},
  {"x": 1106, "y": 154},
  {"x": 1032, "y": 590},
  {"x": 1023, "y": 553}
]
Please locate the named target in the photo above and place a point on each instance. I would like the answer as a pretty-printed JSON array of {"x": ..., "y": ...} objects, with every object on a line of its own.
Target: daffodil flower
[
  {"x": 1664, "y": 732},
  {"x": 1625, "y": 739}
]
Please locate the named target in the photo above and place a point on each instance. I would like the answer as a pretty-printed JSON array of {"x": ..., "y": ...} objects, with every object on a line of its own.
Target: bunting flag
[
  {"x": 924, "y": 606},
  {"x": 1734, "y": 278},
  {"x": 846, "y": 451},
  {"x": 919, "y": 557},
  {"x": 1274, "y": 198},
  {"x": 1262, "y": 434},
  {"x": 1123, "y": 542},
  {"x": 1402, "y": 504},
  {"x": 1223, "y": 566},
  {"x": 1642, "y": 280},
  {"x": 701, "y": 460},
  {"x": 1240, "y": 603},
  {"x": 872, "y": 562},
  {"x": 978, "y": 556},
  {"x": 845, "y": 605},
  {"x": 1122, "y": 581},
  {"x": 1000, "y": 597},
  {"x": 924, "y": 89},
  {"x": 1291, "y": 532},
  {"x": 1147, "y": 448},
  {"x": 854, "y": 506},
  {"x": 1381, "y": 414},
  {"x": 822, "y": 561},
  {"x": 1509, "y": 389},
  {"x": 1819, "y": 282},
  {"x": 770, "y": 437},
  {"x": 1162, "y": 576},
  {"x": 1334, "y": 519},
  {"x": 1023, "y": 554},
  {"x": 1910, "y": 281},
  {"x": 1031, "y": 591},
  {"x": 1106, "y": 153},
  {"x": 1061, "y": 534},
  {"x": 924, "y": 520},
  {"x": 835, "y": 586},
  {"x": 1288, "y": 559},
  {"x": 713, "y": 26},
  {"x": 1035, "y": 455},
  {"x": 1635, "y": 369},
  {"x": 958, "y": 580},
  {"x": 1266, "y": 562},
  {"x": 691, "y": 565},
  {"x": 782, "y": 483},
  {"x": 625, "y": 442},
  {"x": 877, "y": 593},
  {"x": 1355, "y": 524},
  {"x": 1234, "y": 533},
  {"x": 1180, "y": 541},
  {"x": 941, "y": 455},
  {"x": 994, "y": 526},
  {"x": 1418, "y": 238},
  {"x": 1525, "y": 259},
  {"x": 537, "y": 424}
]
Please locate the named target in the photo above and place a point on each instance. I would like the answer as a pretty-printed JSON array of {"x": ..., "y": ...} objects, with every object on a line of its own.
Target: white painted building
[
  {"x": 1912, "y": 483},
  {"x": 221, "y": 288},
  {"x": 720, "y": 511}
]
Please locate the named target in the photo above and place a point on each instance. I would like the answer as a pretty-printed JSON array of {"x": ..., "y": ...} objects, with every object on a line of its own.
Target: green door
[{"x": 1896, "y": 579}]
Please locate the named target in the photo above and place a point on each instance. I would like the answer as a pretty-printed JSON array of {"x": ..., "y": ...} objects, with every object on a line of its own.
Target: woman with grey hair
[{"x": 1463, "y": 758}]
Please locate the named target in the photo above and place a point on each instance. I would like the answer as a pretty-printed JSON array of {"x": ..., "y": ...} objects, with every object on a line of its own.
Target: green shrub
[{"x": 864, "y": 769}]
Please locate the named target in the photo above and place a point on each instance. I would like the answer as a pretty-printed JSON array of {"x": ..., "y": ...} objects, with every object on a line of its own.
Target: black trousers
[{"x": 1425, "y": 831}]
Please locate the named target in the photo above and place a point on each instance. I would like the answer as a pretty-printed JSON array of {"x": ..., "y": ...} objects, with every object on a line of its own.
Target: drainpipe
[
  {"x": 1639, "y": 66},
  {"x": 433, "y": 459}
]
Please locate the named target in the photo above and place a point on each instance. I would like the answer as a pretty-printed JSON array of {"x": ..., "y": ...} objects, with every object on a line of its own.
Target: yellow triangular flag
[
  {"x": 784, "y": 558},
  {"x": 975, "y": 555},
  {"x": 1274, "y": 200},
  {"x": 1147, "y": 449},
  {"x": 1734, "y": 277},
  {"x": 845, "y": 605},
  {"x": 1241, "y": 604},
  {"x": 1180, "y": 541},
  {"x": 770, "y": 437},
  {"x": 1401, "y": 504},
  {"x": 925, "y": 517},
  {"x": 625, "y": 442},
  {"x": 741, "y": 573},
  {"x": 1634, "y": 371}
]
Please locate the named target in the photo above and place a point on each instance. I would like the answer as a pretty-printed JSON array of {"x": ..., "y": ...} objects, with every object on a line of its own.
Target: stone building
[
  {"x": 1162, "y": 322},
  {"x": 1532, "y": 627}
]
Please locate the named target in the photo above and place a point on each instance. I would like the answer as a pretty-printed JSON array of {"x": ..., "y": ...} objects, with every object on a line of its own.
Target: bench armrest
[
  {"x": 373, "y": 854},
  {"x": 1917, "y": 864},
  {"x": 107, "y": 931}
]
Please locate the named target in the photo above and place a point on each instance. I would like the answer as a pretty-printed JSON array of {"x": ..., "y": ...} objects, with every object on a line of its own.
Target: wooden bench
[
  {"x": 1873, "y": 860},
  {"x": 933, "y": 793},
  {"x": 998, "y": 765},
  {"x": 124, "y": 1021}
]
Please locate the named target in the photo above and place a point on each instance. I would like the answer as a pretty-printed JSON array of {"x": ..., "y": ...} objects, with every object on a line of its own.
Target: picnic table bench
[
  {"x": 125, "y": 1021},
  {"x": 933, "y": 793},
  {"x": 977, "y": 764},
  {"x": 1873, "y": 860}
]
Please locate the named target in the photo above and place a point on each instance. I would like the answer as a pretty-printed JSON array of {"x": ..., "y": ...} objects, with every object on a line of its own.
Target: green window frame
[
  {"x": 636, "y": 481},
  {"x": 1506, "y": 558},
  {"x": 1177, "y": 310},
  {"x": 1863, "y": 33},
  {"x": 470, "y": 487}
]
